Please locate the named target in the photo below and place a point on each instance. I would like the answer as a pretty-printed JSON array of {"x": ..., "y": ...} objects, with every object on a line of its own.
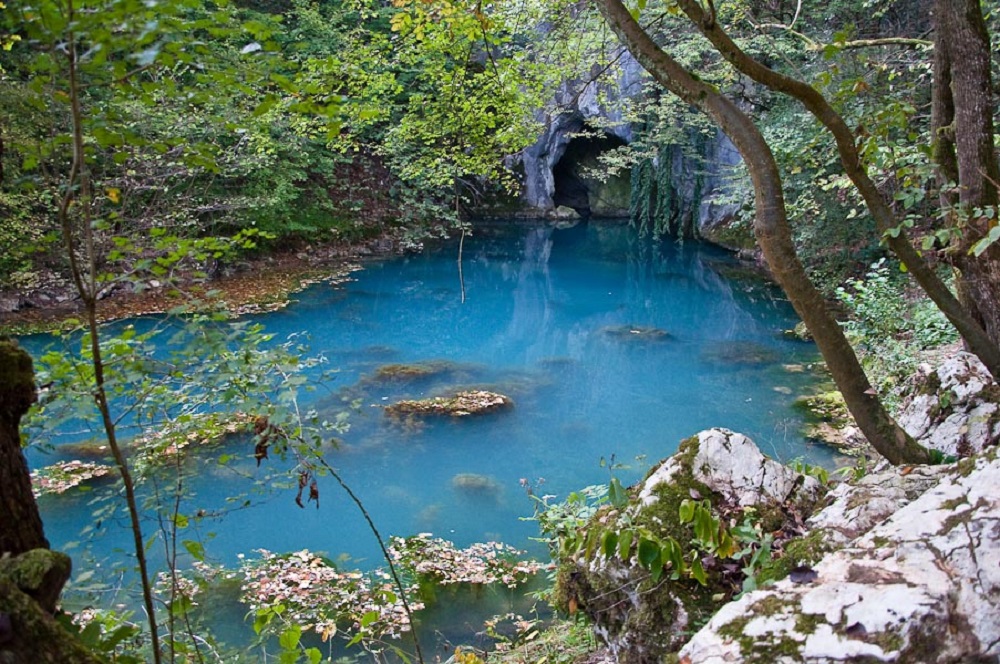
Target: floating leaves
[
  {"x": 462, "y": 404},
  {"x": 63, "y": 476},
  {"x": 481, "y": 563},
  {"x": 319, "y": 597},
  {"x": 197, "y": 429}
]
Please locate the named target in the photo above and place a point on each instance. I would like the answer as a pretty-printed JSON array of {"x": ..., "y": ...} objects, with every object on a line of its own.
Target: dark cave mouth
[{"x": 574, "y": 189}]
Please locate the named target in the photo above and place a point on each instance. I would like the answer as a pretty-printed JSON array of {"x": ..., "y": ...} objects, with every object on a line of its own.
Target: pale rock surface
[
  {"x": 954, "y": 408},
  {"x": 639, "y": 620},
  {"x": 731, "y": 465},
  {"x": 923, "y": 586},
  {"x": 856, "y": 507}
]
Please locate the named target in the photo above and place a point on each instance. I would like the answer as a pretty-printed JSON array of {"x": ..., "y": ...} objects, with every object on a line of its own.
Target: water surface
[{"x": 555, "y": 319}]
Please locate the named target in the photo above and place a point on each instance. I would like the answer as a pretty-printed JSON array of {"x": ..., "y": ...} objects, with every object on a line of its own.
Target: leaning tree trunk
[
  {"x": 963, "y": 123},
  {"x": 963, "y": 317},
  {"x": 20, "y": 523},
  {"x": 773, "y": 233}
]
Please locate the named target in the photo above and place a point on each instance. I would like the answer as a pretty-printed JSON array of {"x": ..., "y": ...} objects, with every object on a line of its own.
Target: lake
[{"x": 613, "y": 348}]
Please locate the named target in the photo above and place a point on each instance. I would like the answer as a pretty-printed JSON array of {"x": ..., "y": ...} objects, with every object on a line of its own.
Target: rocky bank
[{"x": 893, "y": 564}]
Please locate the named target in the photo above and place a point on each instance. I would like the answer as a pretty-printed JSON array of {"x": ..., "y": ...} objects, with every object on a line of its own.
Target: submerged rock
[
  {"x": 635, "y": 333},
  {"x": 739, "y": 352},
  {"x": 474, "y": 483},
  {"x": 411, "y": 372},
  {"x": 63, "y": 476},
  {"x": 828, "y": 421},
  {"x": 462, "y": 404}
]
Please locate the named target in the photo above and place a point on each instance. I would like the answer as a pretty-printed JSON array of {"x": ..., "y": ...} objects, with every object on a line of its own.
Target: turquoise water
[{"x": 539, "y": 321}]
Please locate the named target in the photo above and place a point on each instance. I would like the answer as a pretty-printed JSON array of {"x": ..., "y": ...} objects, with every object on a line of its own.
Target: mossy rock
[
  {"x": 640, "y": 619},
  {"x": 461, "y": 404},
  {"x": 400, "y": 373},
  {"x": 824, "y": 407},
  {"x": 642, "y": 604}
]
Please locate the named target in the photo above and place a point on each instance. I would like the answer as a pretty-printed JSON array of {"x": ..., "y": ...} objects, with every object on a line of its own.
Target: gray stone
[
  {"x": 563, "y": 213},
  {"x": 954, "y": 408},
  {"x": 922, "y": 586},
  {"x": 639, "y": 619},
  {"x": 731, "y": 465}
]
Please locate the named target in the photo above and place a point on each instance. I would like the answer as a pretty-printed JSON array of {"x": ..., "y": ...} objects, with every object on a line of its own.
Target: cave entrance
[{"x": 576, "y": 188}]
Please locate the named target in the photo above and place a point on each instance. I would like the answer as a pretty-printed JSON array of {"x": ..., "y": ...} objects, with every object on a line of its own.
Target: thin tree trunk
[
  {"x": 79, "y": 194},
  {"x": 774, "y": 236},
  {"x": 979, "y": 338},
  {"x": 965, "y": 149},
  {"x": 20, "y": 523}
]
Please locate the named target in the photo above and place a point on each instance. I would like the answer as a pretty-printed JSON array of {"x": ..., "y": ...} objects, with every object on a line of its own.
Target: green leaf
[
  {"x": 617, "y": 493},
  {"x": 979, "y": 248},
  {"x": 687, "y": 510},
  {"x": 698, "y": 572},
  {"x": 625, "y": 544},
  {"x": 610, "y": 543},
  {"x": 290, "y": 636},
  {"x": 195, "y": 548},
  {"x": 703, "y": 525},
  {"x": 260, "y": 621},
  {"x": 369, "y": 618},
  {"x": 649, "y": 552},
  {"x": 269, "y": 102}
]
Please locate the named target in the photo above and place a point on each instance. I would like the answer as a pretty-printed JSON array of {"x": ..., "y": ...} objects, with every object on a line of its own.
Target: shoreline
[{"x": 253, "y": 285}]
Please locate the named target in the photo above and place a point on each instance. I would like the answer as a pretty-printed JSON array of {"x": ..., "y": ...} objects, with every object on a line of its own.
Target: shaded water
[{"x": 551, "y": 318}]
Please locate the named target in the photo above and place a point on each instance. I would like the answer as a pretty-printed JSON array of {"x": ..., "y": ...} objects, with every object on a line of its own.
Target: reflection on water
[{"x": 534, "y": 326}]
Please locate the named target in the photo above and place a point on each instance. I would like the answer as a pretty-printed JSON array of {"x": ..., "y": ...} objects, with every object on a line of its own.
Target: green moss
[
  {"x": 824, "y": 407},
  {"x": 411, "y": 372},
  {"x": 39, "y": 573},
  {"x": 966, "y": 466},
  {"x": 17, "y": 376},
  {"x": 646, "y": 610},
  {"x": 931, "y": 385},
  {"x": 806, "y": 623},
  {"x": 807, "y": 550},
  {"x": 953, "y": 503},
  {"x": 768, "y": 606}
]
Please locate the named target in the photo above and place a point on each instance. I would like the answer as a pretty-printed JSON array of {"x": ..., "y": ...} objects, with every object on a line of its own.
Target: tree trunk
[
  {"x": 968, "y": 324},
  {"x": 963, "y": 104},
  {"x": 21, "y": 528},
  {"x": 774, "y": 235}
]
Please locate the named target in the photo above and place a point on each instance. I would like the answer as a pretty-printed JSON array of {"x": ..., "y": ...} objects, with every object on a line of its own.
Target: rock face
[
  {"x": 903, "y": 564},
  {"x": 955, "y": 408},
  {"x": 558, "y": 168},
  {"x": 921, "y": 586},
  {"x": 638, "y": 616}
]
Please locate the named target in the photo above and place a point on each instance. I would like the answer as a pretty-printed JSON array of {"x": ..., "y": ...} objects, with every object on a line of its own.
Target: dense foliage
[{"x": 122, "y": 166}]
